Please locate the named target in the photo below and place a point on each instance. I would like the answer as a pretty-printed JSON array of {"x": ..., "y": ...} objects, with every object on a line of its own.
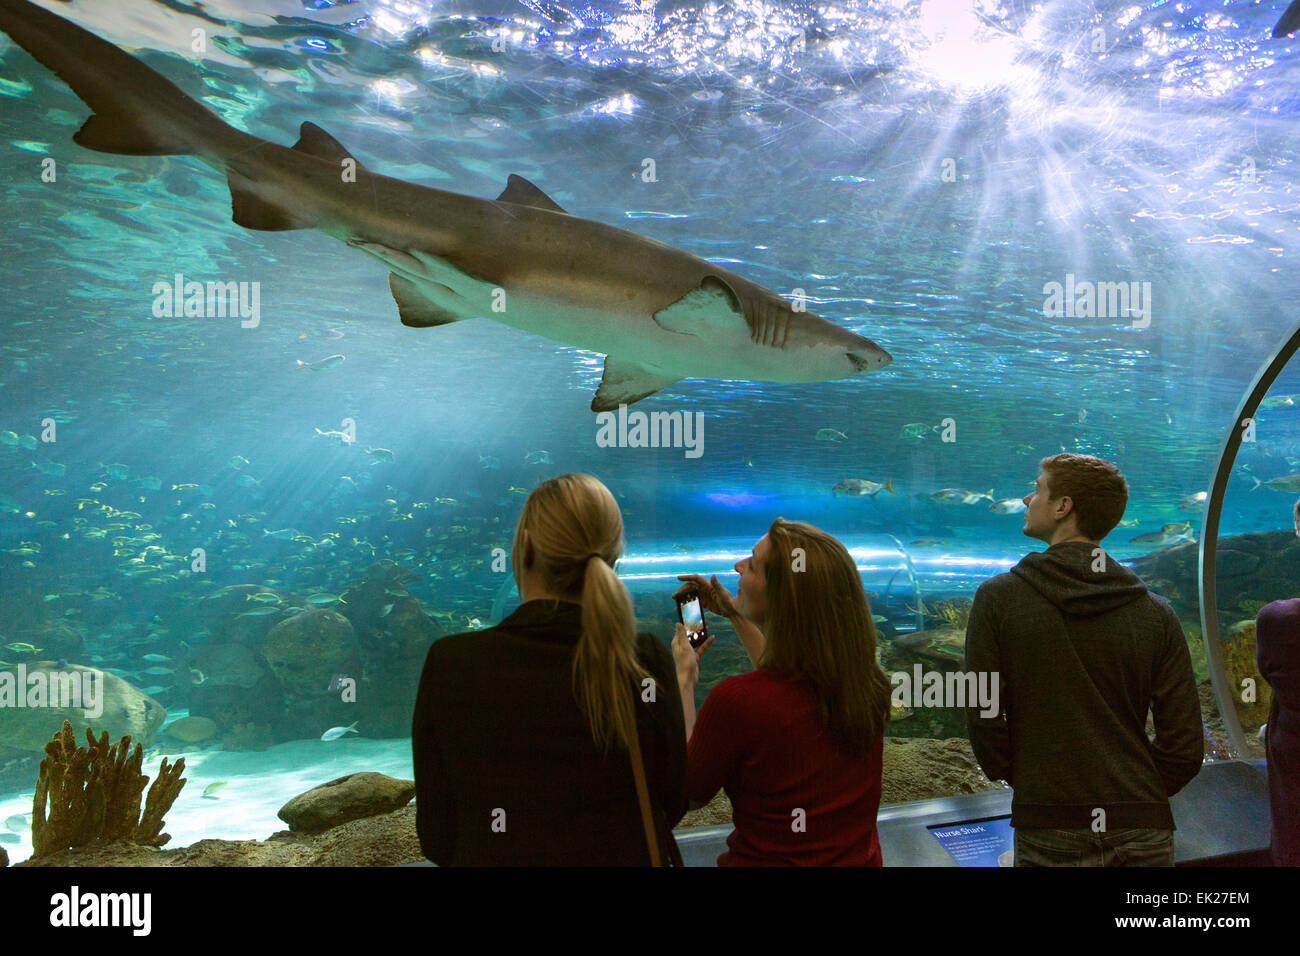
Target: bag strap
[{"x": 643, "y": 797}]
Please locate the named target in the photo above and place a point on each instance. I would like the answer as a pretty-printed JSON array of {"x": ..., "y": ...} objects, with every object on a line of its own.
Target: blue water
[{"x": 922, "y": 171}]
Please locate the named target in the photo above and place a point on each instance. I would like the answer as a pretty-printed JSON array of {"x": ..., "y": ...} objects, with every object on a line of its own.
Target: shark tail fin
[
  {"x": 137, "y": 111},
  {"x": 889, "y": 486}
]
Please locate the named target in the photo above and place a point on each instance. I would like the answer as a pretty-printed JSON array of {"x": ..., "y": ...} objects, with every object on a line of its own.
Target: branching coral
[{"x": 94, "y": 794}]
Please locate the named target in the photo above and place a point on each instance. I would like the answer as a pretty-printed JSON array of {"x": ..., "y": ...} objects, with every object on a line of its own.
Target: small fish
[
  {"x": 10, "y": 838},
  {"x": 1008, "y": 506},
  {"x": 117, "y": 471},
  {"x": 1278, "y": 401},
  {"x": 212, "y": 788},
  {"x": 153, "y": 689},
  {"x": 334, "y": 733},
  {"x": 157, "y": 659},
  {"x": 29, "y": 442},
  {"x": 51, "y": 468},
  {"x": 285, "y": 533},
  {"x": 1083, "y": 415},
  {"x": 1023, "y": 449},
  {"x": 336, "y": 436},
  {"x": 830, "y": 434},
  {"x": 260, "y": 612},
  {"x": 149, "y": 483},
  {"x": 239, "y": 461},
  {"x": 1169, "y": 534},
  {"x": 1194, "y": 502},
  {"x": 323, "y": 600},
  {"x": 961, "y": 495},
  {"x": 18, "y": 822},
  {"x": 879, "y": 619},
  {"x": 489, "y": 463},
  {"x": 537, "y": 458},
  {"x": 9, "y": 438},
  {"x": 916, "y": 431},
  {"x": 379, "y": 454},
  {"x": 336, "y": 683},
  {"x": 157, "y": 671},
  {"x": 1288, "y": 483},
  {"x": 325, "y": 363},
  {"x": 246, "y": 481},
  {"x": 1129, "y": 523},
  {"x": 21, "y": 648},
  {"x": 197, "y": 676},
  {"x": 861, "y": 486},
  {"x": 899, "y": 711},
  {"x": 926, "y": 543}
]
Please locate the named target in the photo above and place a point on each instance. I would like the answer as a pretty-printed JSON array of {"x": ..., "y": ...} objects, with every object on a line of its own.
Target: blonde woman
[
  {"x": 797, "y": 743},
  {"x": 521, "y": 732}
]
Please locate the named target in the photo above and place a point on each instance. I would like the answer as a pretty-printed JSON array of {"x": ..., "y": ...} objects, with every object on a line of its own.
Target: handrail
[{"x": 1206, "y": 581}]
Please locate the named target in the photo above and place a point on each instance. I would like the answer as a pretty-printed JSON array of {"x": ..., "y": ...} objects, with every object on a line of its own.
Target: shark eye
[{"x": 859, "y": 363}]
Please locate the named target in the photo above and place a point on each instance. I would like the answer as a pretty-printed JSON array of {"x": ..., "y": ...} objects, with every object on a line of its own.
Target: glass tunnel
[{"x": 244, "y": 463}]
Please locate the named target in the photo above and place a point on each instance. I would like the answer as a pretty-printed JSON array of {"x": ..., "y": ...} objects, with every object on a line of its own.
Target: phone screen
[{"x": 693, "y": 618}]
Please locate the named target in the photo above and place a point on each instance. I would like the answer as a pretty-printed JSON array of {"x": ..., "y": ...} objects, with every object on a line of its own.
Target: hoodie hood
[{"x": 1065, "y": 575}]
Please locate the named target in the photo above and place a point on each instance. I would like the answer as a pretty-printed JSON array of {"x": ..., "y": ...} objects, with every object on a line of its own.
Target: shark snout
[{"x": 868, "y": 358}]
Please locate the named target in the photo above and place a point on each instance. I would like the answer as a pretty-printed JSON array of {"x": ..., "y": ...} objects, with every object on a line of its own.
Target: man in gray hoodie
[{"x": 1081, "y": 652}]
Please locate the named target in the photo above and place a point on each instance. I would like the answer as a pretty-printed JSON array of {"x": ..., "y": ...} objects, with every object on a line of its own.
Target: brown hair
[
  {"x": 1297, "y": 508},
  {"x": 819, "y": 630},
  {"x": 1096, "y": 488},
  {"x": 576, "y": 531}
]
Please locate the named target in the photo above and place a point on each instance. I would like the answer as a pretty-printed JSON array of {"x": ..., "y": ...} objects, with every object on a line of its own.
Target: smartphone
[{"x": 691, "y": 614}]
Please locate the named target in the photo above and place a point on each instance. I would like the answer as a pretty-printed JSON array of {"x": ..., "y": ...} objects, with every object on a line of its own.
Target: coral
[
  {"x": 1239, "y": 661},
  {"x": 94, "y": 794}
]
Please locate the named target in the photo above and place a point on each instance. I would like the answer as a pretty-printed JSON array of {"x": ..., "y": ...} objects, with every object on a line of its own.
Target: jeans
[{"x": 1136, "y": 846}]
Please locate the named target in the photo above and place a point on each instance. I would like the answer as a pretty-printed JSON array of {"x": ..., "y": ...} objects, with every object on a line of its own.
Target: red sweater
[{"x": 759, "y": 738}]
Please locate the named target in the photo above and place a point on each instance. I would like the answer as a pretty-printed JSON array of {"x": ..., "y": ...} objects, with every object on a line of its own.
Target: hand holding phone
[{"x": 691, "y": 615}]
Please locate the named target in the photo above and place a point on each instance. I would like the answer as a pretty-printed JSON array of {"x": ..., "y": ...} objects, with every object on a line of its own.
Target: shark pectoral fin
[
  {"x": 711, "y": 306},
  {"x": 627, "y": 382},
  {"x": 523, "y": 193},
  {"x": 417, "y": 310}
]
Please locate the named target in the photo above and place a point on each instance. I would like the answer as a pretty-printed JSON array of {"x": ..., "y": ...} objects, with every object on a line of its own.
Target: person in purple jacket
[{"x": 1277, "y": 652}]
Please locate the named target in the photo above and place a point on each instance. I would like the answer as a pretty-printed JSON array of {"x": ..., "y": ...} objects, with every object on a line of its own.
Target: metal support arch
[{"x": 1207, "y": 582}]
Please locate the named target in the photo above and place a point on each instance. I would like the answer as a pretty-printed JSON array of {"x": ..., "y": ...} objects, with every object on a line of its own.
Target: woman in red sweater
[{"x": 797, "y": 742}]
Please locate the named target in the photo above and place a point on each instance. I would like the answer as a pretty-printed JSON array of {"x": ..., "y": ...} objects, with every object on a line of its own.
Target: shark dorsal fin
[
  {"x": 523, "y": 193},
  {"x": 314, "y": 141}
]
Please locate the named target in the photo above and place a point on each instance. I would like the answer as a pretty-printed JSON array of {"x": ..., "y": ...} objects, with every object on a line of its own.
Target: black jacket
[
  {"x": 506, "y": 771},
  {"x": 1083, "y": 651}
]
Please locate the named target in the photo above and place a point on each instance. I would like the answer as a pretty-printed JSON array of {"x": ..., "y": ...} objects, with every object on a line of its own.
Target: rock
[
  {"x": 1233, "y": 564},
  {"x": 917, "y": 768},
  {"x": 126, "y": 710},
  {"x": 348, "y": 798},
  {"x": 4, "y": 857},
  {"x": 385, "y": 840},
  {"x": 308, "y": 649},
  {"x": 229, "y": 665}
]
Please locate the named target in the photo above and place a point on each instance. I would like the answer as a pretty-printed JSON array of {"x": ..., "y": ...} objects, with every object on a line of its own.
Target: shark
[{"x": 657, "y": 313}]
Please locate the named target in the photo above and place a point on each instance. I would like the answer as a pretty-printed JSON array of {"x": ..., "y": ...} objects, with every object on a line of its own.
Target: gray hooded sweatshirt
[{"x": 1082, "y": 652}]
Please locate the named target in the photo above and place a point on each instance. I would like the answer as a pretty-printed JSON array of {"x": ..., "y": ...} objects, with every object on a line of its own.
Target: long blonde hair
[
  {"x": 819, "y": 629},
  {"x": 576, "y": 531}
]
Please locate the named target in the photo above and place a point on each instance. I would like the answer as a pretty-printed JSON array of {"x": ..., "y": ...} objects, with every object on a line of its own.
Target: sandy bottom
[{"x": 258, "y": 784}]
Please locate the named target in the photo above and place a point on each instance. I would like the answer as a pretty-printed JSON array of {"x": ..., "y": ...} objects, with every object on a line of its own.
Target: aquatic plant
[
  {"x": 953, "y": 612},
  {"x": 94, "y": 794}
]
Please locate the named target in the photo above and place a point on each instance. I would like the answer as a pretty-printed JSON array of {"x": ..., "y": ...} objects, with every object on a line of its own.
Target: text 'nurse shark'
[{"x": 658, "y": 314}]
